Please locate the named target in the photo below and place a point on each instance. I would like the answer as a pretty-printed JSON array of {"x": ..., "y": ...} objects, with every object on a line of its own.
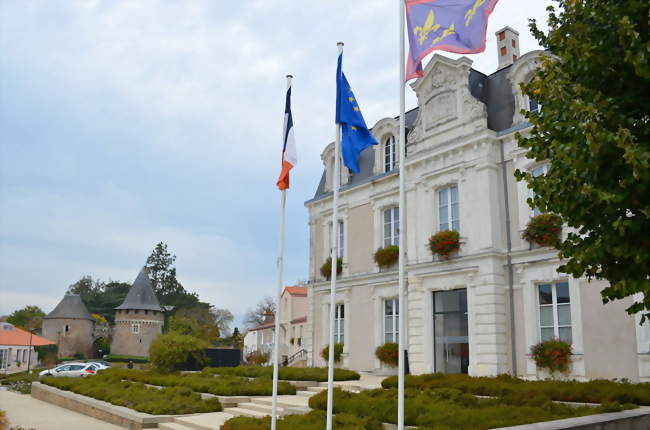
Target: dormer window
[{"x": 389, "y": 154}]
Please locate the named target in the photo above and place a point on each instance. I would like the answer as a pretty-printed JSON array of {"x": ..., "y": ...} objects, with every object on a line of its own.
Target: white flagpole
[
  {"x": 402, "y": 222},
  {"x": 335, "y": 248},
  {"x": 276, "y": 340}
]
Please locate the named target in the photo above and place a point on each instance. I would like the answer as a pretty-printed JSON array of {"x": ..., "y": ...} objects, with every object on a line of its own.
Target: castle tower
[
  {"x": 138, "y": 320},
  {"x": 70, "y": 326}
]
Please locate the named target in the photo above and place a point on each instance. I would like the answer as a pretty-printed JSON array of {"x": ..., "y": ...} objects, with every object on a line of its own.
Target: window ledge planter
[
  {"x": 543, "y": 230},
  {"x": 386, "y": 257},
  {"x": 326, "y": 268},
  {"x": 445, "y": 244}
]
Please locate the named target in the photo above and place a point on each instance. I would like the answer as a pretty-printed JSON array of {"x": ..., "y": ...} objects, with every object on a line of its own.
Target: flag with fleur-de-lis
[{"x": 457, "y": 26}]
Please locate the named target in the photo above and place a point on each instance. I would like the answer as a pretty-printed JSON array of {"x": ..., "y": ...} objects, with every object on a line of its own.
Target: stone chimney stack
[{"x": 507, "y": 46}]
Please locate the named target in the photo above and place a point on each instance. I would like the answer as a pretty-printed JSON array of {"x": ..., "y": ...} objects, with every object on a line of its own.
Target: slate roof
[
  {"x": 141, "y": 295},
  {"x": 72, "y": 307}
]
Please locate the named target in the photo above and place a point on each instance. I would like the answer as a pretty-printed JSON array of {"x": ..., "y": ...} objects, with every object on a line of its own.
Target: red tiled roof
[
  {"x": 263, "y": 326},
  {"x": 295, "y": 291},
  {"x": 19, "y": 337}
]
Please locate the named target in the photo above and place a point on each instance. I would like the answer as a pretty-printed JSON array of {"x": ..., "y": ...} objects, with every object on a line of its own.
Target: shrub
[
  {"x": 338, "y": 350},
  {"x": 171, "y": 351},
  {"x": 544, "y": 230},
  {"x": 444, "y": 243},
  {"x": 116, "y": 358},
  {"x": 387, "y": 256},
  {"x": 326, "y": 268},
  {"x": 314, "y": 420},
  {"x": 554, "y": 355},
  {"x": 318, "y": 374},
  {"x": 47, "y": 354},
  {"x": 258, "y": 358},
  {"x": 79, "y": 356},
  {"x": 388, "y": 354}
]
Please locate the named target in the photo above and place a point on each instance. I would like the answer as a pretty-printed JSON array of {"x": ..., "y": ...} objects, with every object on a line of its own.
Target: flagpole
[
  {"x": 334, "y": 254},
  {"x": 276, "y": 342},
  {"x": 402, "y": 222}
]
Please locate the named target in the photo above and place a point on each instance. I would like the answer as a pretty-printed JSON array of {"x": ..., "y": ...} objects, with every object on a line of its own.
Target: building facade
[
  {"x": 138, "y": 320},
  {"x": 465, "y": 314},
  {"x": 70, "y": 326}
]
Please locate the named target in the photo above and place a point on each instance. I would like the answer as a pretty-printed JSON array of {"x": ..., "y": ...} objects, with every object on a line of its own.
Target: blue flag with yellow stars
[{"x": 355, "y": 134}]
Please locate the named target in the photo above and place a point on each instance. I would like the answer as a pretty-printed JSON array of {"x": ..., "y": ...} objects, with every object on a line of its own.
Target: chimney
[
  {"x": 507, "y": 46},
  {"x": 269, "y": 317}
]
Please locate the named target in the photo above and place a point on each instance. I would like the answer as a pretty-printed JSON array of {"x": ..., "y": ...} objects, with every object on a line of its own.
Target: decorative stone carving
[{"x": 440, "y": 108}]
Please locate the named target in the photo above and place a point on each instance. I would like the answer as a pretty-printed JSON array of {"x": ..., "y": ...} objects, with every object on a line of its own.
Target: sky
[{"x": 127, "y": 123}]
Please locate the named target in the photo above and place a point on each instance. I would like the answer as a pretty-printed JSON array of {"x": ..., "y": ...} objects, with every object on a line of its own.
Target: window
[
  {"x": 534, "y": 105},
  {"x": 554, "y": 311},
  {"x": 502, "y": 35},
  {"x": 341, "y": 243},
  {"x": 389, "y": 154},
  {"x": 339, "y": 321},
  {"x": 538, "y": 171},
  {"x": 135, "y": 328},
  {"x": 391, "y": 320},
  {"x": 66, "y": 329},
  {"x": 391, "y": 226},
  {"x": 448, "y": 209}
]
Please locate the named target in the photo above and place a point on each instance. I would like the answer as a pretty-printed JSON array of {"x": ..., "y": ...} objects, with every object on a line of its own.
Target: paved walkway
[{"x": 35, "y": 414}]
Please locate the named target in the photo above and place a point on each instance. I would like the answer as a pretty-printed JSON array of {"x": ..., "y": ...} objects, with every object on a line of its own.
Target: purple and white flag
[{"x": 457, "y": 26}]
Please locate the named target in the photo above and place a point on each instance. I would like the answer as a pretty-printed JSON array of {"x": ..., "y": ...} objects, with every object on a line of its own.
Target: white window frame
[
  {"x": 341, "y": 243},
  {"x": 529, "y": 107},
  {"x": 390, "y": 154},
  {"x": 339, "y": 323},
  {"x": 135, "y": 328},
  {"x": 393, "y": 223},
  {"x": 446, "y": 205},
  {"x": 542, "y": 169},
  {"x": 554, "y": 305},
  {"x": 394, "y": 332}
]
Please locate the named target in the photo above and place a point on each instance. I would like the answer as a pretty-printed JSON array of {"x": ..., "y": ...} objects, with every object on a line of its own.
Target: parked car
[
  {"x": 72, "y": 370},
  {"x": 101, "y": 364}
]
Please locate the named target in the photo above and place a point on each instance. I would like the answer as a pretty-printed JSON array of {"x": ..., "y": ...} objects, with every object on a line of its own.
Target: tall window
[
  {"x": 555, "y": 311},
  {"x": 341, "y": 243},
  {"x": 135, "y": 328},
  {"x": 339, "y": 324},
  {"x": 389, "y": 154},
  {"x": 391, "y": 320},
  {"x": 534, "y": 105},
  {"x": 538, "y": 171},
  {"x": 448, "y": 208},
  {"x": 391, "y": 226}
]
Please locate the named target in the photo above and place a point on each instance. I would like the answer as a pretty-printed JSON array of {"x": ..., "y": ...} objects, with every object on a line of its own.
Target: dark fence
[{"x": 217, "y": 357}]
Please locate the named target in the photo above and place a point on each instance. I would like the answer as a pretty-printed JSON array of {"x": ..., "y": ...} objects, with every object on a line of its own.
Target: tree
[
  {"x": 198, "y": 321},
  {"x": 99, "y": 297},
  {"x": 27, "y": 317},
  {"x": 172, "y": 351},
  {"x": 169, "y": 291},
  {"x": 255, "y": 317},
  {"x": 594, "y": 129},
  {"x": 223, "y": 318}
]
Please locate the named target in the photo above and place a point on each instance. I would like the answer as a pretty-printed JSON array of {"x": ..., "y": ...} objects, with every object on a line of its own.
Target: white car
[{"x": 72, "y": 370}]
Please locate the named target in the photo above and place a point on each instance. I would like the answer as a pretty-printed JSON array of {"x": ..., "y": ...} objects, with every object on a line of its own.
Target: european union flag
[{"x": 355, "y": 134}]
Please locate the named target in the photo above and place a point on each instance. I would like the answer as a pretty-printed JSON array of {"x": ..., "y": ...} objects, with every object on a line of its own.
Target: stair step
[
  {"x": 206, "y": 421},
  {"x": 246, "y": 412},
  {"x": 305, "y": 393},
  {"x": 317, "y": 389},
  {"x": 261, "y": 407},
  {"x": 173, "y": 426}
]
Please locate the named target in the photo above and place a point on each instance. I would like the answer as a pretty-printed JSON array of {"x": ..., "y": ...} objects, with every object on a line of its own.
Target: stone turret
[
  {"x": 70, "y": 326},
  {"x": 138, "y": 320}
]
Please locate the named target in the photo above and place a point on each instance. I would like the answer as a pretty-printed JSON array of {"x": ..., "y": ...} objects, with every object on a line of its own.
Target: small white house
[{"x": 17, "y": 348}]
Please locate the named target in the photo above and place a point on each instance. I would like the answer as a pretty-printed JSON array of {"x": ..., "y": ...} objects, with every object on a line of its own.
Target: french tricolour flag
[{"x": 289, "y": 158}]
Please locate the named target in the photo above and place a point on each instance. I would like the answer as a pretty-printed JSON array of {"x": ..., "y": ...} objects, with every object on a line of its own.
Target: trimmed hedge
[
  {"x": 109, "y": 388},
  {"x": 203, "y": 383},
  {"x": 318, "y": 374},
  {"x": 452, "y": 409},
  {"x": 314, "y": 420},
  {"x": 597, "y": 391},
  {"x": 115, "y": 358}
]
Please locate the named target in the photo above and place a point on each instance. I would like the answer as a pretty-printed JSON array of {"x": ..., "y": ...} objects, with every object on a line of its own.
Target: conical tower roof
[
  {"x": 71, "y": 306},
  {"x": 141, "y": 295}
]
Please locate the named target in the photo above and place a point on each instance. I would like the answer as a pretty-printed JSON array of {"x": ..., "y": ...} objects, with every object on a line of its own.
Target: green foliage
[
  {"x": 258, "y": 358},
  {"x": 326, "y": 268},
  {"x": 47, "y": 354},
  {"x": 169, "y": 291},
  {"x": 388, "y": 354},
  {"x": 171, "y": 351},
  {"x": 116, "y": 358},
  {"x": 544, "y": 230},
  {"x": 20, "y": 382},
  {"x": 318, "y": 374},
  {"x": 197, "y": 321},
  {"x": 27, "y": 317},
  {"x": 596, "y": 391},
  {"x": 594, "y": 129},
  {"x": 387, "y": 256},
  {"x": 101, "y": 298},
  {"x": 314, "y": 420},
  {"x": 78, "y": 356},
  {"x": 109, "y": 387},
  {"x": 226, "y": 385},
  {"x": 338, "y": 350},
  {"x": 553, "y": 355},
  {"x": 447, "y": 408},
  {"x": 444, "y": 243}
]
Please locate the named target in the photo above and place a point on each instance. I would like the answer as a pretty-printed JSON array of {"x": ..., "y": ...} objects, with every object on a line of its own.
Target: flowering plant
[
  {"x": 544, "y": 230},
  {"x": 338, "y": 350},
  {"x": 554, "y": 355},
  {"x": 387, "y": 256},
  {"x": 326, "y": 268},
  {"x": 444, "y": 243},
  {"x": 388, "y": 354}
]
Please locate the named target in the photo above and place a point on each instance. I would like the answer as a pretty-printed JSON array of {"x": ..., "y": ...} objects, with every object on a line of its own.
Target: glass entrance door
[{"x": 451, "y": 345}]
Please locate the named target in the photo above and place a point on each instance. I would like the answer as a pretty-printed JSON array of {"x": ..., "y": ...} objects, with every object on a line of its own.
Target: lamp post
[{"x": 29, "y": 351}]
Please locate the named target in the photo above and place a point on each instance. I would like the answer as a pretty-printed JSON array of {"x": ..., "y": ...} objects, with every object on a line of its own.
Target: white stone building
[
  {"x": 461, "y": 155},
  {"x": 17, "y": 349}
]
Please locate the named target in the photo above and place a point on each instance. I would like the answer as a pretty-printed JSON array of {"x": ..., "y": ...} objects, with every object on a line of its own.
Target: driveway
[{"x": 23, "y": 410}]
